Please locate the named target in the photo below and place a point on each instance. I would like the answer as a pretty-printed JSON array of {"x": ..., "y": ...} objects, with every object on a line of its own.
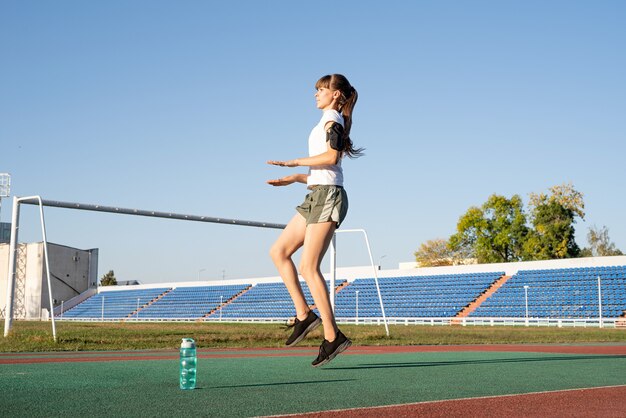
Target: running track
[{"x": 607, "y": 401}]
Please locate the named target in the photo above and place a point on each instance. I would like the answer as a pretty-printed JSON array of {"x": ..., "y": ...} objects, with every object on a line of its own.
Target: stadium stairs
[
  {"x": 479, "y": 300},
  {"x": 216, "y": 310},
  {"x": 145, "y": 305}
]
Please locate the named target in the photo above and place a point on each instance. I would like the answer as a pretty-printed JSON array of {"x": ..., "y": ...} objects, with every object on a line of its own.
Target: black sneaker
[
  {"x": 329, "y": 351},
  {"x": 302, "y": 328}
]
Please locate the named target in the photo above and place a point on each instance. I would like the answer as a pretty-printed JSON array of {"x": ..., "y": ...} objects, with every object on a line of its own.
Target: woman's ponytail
[{"x": 347, "y": 101}]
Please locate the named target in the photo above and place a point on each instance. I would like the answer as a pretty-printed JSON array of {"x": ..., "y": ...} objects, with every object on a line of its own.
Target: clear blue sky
[{"x": 176, "y": 106}]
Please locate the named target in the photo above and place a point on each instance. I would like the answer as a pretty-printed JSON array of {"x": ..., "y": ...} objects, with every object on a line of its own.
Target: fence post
[{"x": 600, "y": 302}]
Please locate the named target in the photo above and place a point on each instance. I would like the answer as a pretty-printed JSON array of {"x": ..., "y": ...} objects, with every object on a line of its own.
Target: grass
[{"x": 27, "y": 336}]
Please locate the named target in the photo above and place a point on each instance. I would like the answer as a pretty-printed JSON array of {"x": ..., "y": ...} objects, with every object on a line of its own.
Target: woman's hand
[
  {"x": 285, "y": 181},
  {"x": 290, "y": 163}
]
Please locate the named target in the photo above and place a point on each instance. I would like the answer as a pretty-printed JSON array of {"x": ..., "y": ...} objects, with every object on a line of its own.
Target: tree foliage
[
  {"x": 553, "y": 217},
  {"x": 553, "y": 234},
  {"x": 436, "y": 253},
  {"x": 600, "y": 244},
  {"x": 108, "y": 279},
  {"x": 564, "y": 195},
  {"x": 495, "y": 232}
]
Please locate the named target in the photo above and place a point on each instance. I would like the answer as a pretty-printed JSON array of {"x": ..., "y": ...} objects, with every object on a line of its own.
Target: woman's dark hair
[{"x": 347, "y": 101}]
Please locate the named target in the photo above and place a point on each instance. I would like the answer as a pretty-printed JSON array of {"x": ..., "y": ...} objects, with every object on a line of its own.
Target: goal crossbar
[{"x": 150, "y": 213}]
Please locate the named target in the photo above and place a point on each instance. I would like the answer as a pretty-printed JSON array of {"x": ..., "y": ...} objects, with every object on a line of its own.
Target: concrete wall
[
  {"x": 72, "y": 272},
  {"x": 34, "y": 269}
]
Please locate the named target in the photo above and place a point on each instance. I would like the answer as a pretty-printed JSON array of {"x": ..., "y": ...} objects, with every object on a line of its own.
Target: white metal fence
[{"x": 530, "y": 322}]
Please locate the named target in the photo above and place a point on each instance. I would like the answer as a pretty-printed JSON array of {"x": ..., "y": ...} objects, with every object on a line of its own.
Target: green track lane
[{"x": 249, "y": 386}]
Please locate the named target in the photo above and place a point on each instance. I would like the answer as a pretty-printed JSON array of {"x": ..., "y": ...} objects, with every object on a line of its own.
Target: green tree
[
  {"x": 493, "y": 233},
  {"x": 553, "y": 217},
  {"x": 108, "y": 279},
  {"x": 552, "y": 236},
  {"x": 600, "y": 244}
]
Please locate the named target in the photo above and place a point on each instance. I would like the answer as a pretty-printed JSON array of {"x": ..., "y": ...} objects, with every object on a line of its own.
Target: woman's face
[{"x": 325, "y": 98}]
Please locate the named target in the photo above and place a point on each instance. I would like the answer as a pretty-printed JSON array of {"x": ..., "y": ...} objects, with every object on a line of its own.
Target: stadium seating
[
  {"x": 113, "y": 305},
  {"x": 559, "y": 293},
  {"x": 264, "y": 300},
  {"x": 190, "y": 302},
  {"x": 556, "y": 293},
  {"x": 440, "y": 296}
]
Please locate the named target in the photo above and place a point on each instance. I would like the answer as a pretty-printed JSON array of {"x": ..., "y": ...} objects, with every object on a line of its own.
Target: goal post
[
  {"x": 8, "y": 320},
  {"x": 333, "y": 270}
]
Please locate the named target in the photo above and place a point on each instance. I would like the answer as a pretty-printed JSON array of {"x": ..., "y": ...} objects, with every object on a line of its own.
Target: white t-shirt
[{"x": 331, "y": 174}]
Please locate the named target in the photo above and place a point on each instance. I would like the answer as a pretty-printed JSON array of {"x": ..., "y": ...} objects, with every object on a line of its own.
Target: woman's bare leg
[
  {"x": 289, "y": 241},
  {"x": 316, "y": 241}
]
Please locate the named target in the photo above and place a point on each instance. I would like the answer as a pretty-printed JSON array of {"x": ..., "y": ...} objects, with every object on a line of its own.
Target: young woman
[{"x": 322, "y": 211}]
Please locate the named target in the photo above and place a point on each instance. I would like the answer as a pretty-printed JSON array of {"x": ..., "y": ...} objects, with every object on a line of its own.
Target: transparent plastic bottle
[{"x": 188, "y": 363}]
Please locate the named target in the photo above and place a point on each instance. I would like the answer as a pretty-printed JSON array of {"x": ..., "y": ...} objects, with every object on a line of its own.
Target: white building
[{"x": 72, "y": 272}]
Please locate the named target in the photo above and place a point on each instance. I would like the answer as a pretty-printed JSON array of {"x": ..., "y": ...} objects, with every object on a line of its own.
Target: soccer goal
[{"x": 41, "y": 203}]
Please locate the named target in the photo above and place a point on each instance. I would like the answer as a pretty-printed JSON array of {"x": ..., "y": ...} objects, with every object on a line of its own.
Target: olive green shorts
[{"x": 324, "y": 204}]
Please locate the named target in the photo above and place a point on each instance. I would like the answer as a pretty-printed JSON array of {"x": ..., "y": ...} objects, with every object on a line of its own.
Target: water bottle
[{"x": 188, "y": 364}]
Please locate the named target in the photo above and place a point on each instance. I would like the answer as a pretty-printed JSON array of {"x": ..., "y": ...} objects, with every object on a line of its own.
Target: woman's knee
[
  {"x": 308, "y": 269},
  {"x": 275, "y": 252},
  {"x": 279, "y": 253}
]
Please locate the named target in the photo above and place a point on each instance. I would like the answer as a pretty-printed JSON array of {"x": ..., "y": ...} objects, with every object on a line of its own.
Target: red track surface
[{"x": 597, "y": 402}]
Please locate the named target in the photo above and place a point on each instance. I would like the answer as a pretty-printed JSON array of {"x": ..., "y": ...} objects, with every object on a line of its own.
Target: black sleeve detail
[{"x": 336, "y": 136}]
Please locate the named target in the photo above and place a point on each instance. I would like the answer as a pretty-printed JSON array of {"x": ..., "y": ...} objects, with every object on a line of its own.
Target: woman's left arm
[{"x": 329, "y": 157}]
